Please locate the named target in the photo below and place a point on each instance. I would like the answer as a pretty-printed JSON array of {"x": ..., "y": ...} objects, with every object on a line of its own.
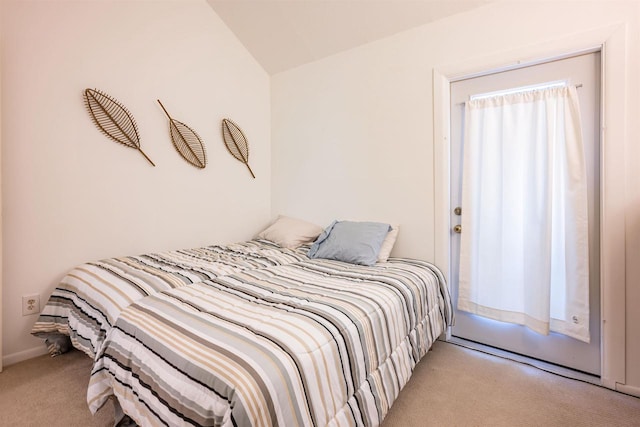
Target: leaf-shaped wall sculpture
[
  {"x": 236, "y": 142},
  {"x": 113, "y": 119},
  {"x": 186, "y": 141}
]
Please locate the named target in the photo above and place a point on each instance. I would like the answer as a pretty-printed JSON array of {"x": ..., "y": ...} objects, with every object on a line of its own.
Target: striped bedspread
[
  {"x": 314, "y": 343},
  {"x": 88, "y": 300}
]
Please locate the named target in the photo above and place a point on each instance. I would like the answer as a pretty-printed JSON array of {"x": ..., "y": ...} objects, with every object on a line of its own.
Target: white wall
[
  {"x": 351, "y": 140},
  {"x": 70, "y": 194},
  {"x": 633, "y": 216},
  {"x": 1, "y": 364},
  {"x": 352, "y": 135}
]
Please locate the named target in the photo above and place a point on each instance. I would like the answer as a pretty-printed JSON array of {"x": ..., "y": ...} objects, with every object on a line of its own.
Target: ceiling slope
[{"x": 282, "y": 34}]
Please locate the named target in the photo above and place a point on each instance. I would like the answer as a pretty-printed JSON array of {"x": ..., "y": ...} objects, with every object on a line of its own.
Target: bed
[
  {"x": 90, "y": 297},
  {"x": 316, "y": 342}
]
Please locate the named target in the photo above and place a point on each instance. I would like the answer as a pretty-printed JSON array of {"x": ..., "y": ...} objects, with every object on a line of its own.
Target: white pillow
[
  {"x": 387, "y": 245},
  {"x": 290, "y": 232}
]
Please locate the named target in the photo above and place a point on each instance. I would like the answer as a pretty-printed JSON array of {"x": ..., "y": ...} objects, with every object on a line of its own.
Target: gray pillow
[{"x": 349, "y": 241}]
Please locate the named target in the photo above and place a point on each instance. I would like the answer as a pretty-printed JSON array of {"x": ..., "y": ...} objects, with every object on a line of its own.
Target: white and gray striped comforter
[
  {"x": 314, "y": 343},
  {"x": 89, "y": 299}
]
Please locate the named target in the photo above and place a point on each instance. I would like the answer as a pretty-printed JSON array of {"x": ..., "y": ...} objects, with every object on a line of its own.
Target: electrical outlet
[{"x": 30, "y": 304}]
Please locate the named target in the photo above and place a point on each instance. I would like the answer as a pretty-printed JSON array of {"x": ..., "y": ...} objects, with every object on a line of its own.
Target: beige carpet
[
  {"x": 456, "y": 386},
  {"x": 47, "y": 391},
  {"x": 451, "y": 386}
]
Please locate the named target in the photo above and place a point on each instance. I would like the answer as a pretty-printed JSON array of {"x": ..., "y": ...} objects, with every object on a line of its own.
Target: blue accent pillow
[{"x": 349, "y": 241}]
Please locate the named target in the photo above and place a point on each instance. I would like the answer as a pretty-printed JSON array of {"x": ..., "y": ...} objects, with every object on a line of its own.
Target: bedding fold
[
  {"x": 88, "y": 300},
  {"x": 311, "y": 343}
]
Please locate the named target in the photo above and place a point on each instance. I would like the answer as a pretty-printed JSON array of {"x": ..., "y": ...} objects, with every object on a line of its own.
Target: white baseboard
[
  {"x": 11, "y": 359},
  {"x": 628, "y": 389}
]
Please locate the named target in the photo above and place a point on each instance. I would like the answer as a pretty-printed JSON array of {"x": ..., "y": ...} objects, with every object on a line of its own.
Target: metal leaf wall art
[
  {"x": 113, "y": 119},
  {"x": 186, "y": 141},
  {"x": 236, "y": 142}
]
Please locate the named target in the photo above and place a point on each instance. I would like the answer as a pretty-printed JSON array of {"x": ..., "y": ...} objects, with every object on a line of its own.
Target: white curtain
[{"x": 524, "y": 243}]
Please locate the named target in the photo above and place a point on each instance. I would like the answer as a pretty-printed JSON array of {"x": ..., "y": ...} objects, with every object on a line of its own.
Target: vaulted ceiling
[{"x": 282, "y": 34}]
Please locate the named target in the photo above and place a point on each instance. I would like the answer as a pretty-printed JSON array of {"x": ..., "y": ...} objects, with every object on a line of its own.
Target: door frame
[{"x": 610, "y": 41}]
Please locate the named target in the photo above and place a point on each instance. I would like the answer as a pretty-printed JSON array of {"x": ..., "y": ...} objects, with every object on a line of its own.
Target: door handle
[{"x": 457, "y": 229}]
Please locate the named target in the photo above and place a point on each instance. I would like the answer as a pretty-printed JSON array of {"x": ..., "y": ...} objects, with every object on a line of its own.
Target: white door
[{"x": 584, "y": 71}]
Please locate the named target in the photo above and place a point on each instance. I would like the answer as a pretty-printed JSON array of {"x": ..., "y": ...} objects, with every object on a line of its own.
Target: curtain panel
[{"x": 524, "y": 246}]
